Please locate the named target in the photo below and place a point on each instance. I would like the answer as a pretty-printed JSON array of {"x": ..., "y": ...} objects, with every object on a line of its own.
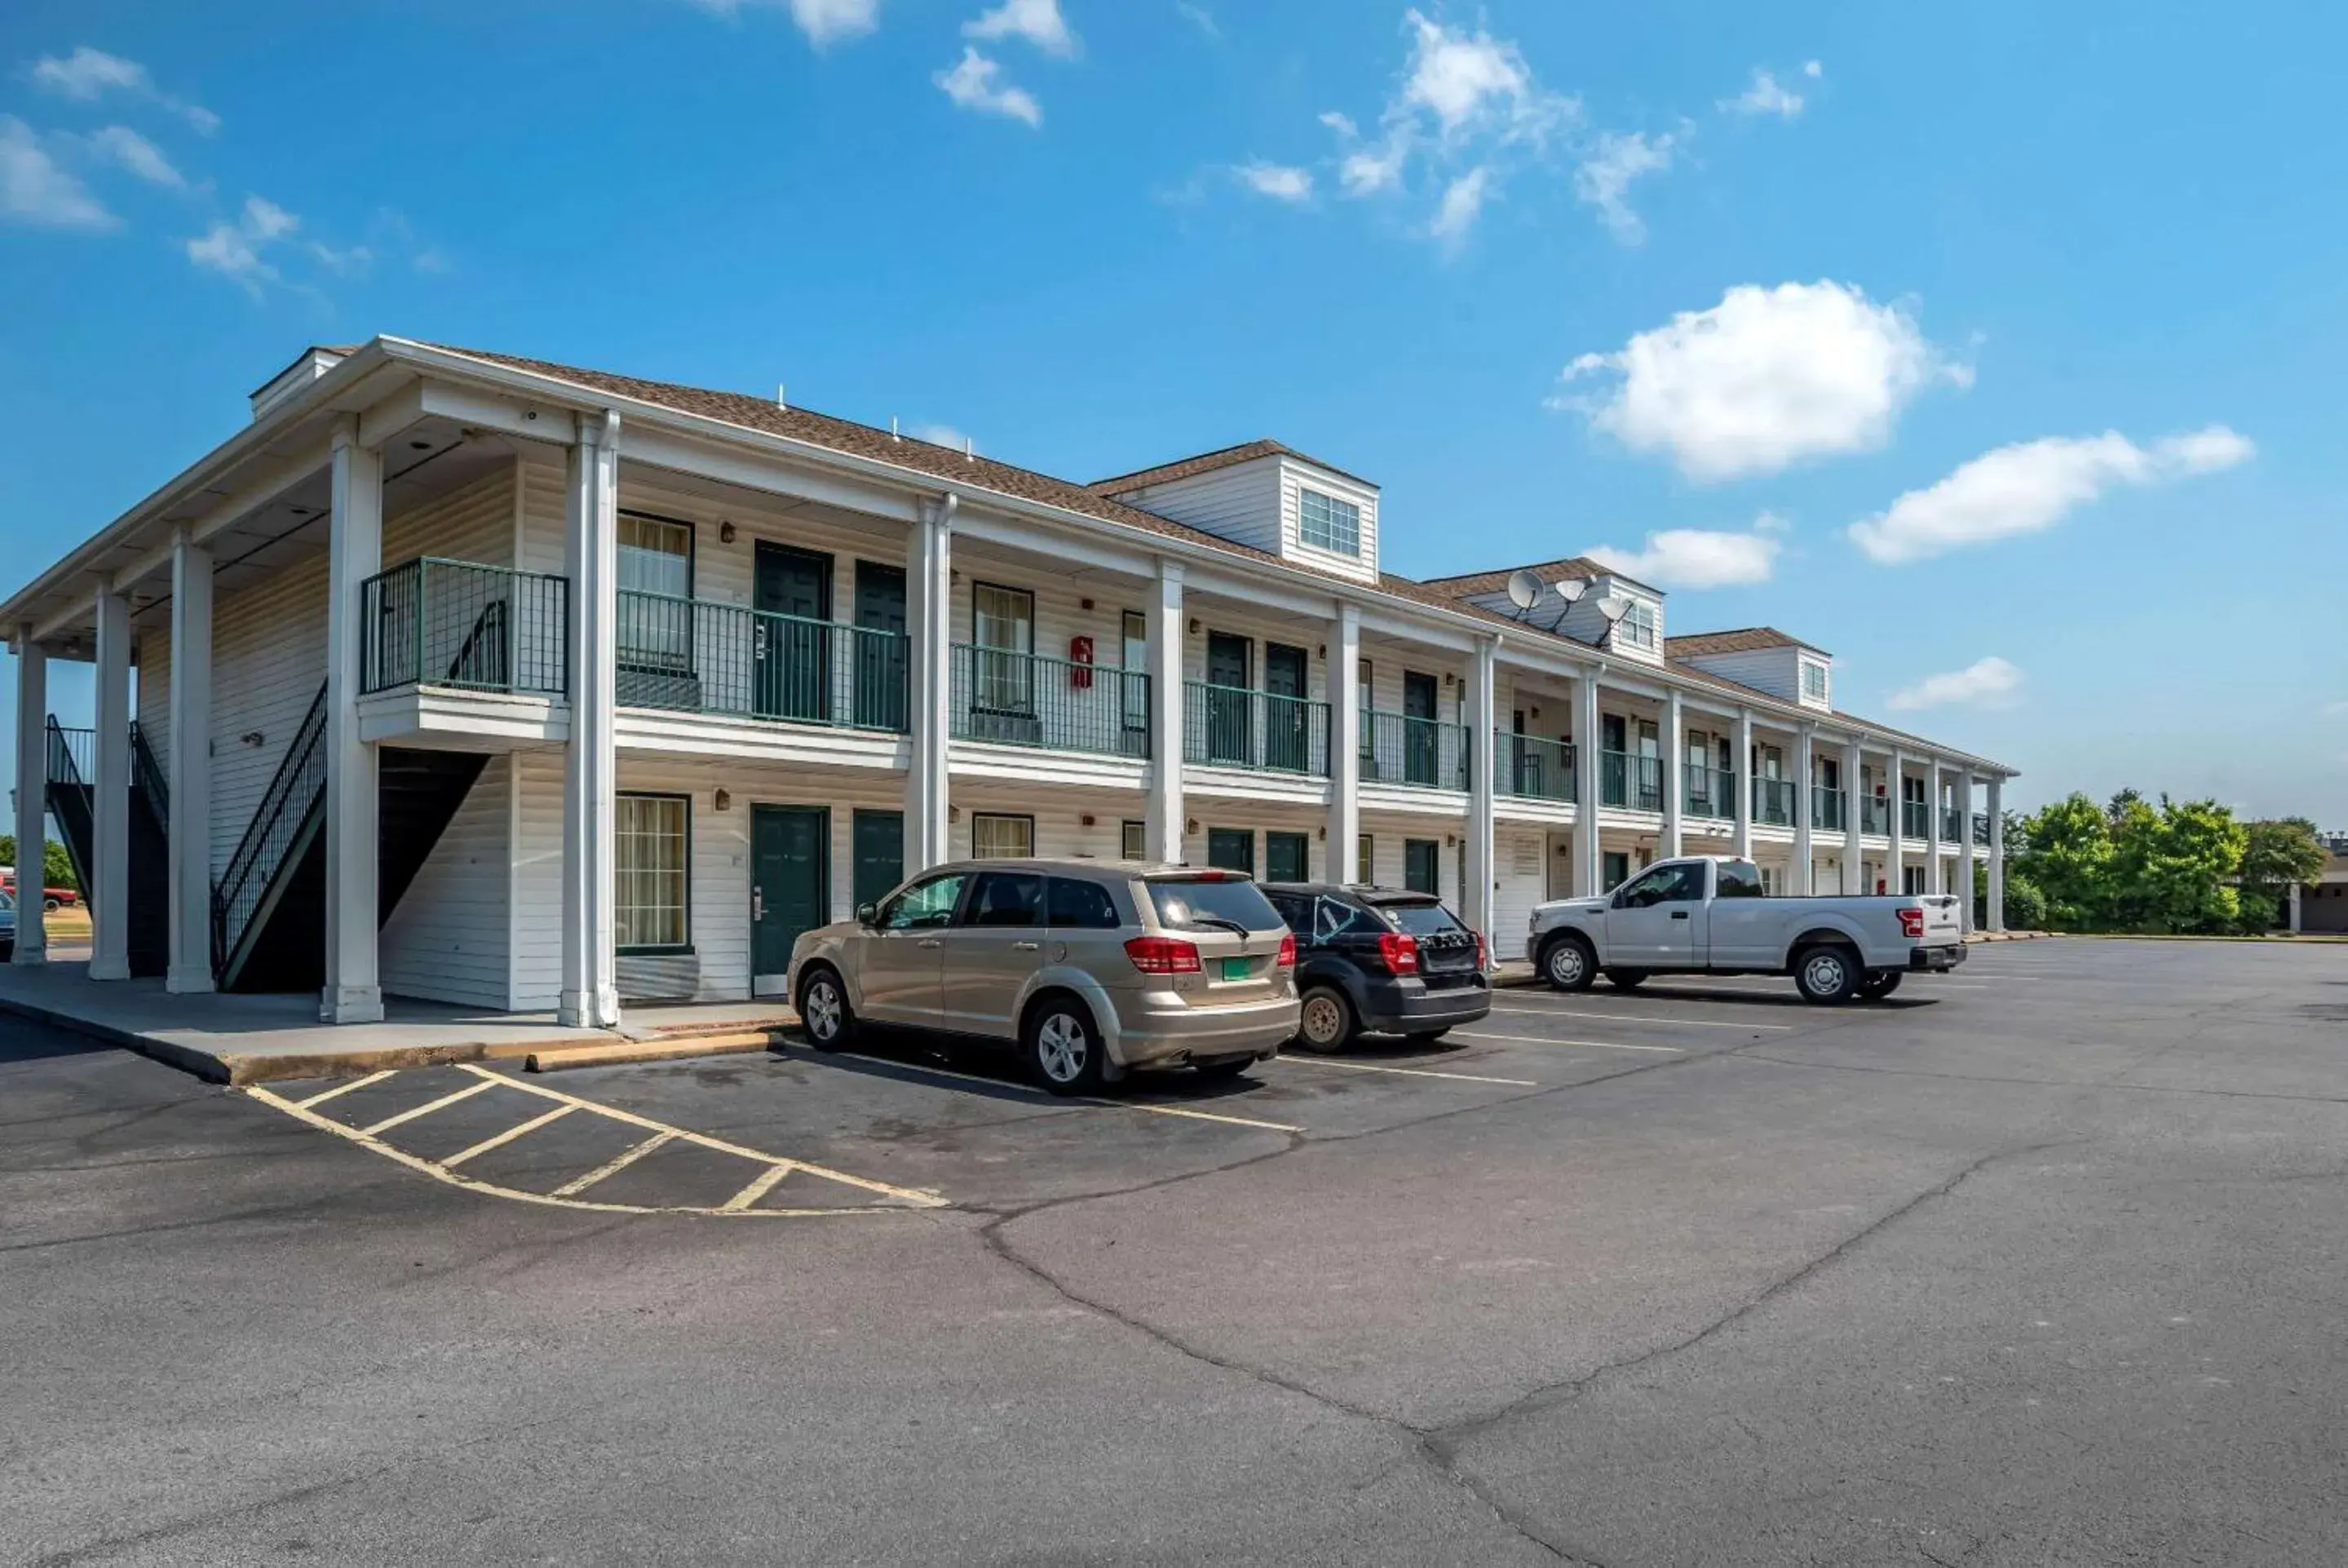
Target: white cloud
[
  {"x": 88, "y": 75},
  {"x": 35, "y": 190},
  {"x": 1463, "y": 199},
  {"x": 973, "y": 85},
  {"x": 1037, "y": 21},
  {"x": 823, "y": 21},
  {"x": 1466, "y": 79},
  {"x": 1986, "y": 683},
  {"x": 349, "y": 261},
  {"x": 1605, "y": 177},
  {"x": 1342, "y": 124},
  {"x": 1765, "y": 379},
  {"x": 1766, "y": 97},
  {"x": 1281, "y": 182},
  {"x": 943, "y": 436},
  {"x": 1198, "y": 17},
  {"x": 2032, "y": 485},
  {"x": 237, "y": 251},
  {"x": 122, "y": 146},
  {"x": 1700, "y": 558},
  {"x": 1813, "y": 69}
]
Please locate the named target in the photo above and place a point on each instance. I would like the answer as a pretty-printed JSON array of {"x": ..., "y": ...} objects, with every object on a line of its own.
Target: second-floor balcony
[
  {"x": 434, "y": 622},
  {"x": 1414, "y": 752},
  {"x": 1231, "y": 727},
  {"x": 1709, "y": 793},
  {"x": 1875, "y": 815},
  {"x": 1773, "y": 802},
  {"x": 1953, "y": 826},
  {"x": 695, "y": 656},
  {"x": 1633, "y": 783},
  {"x": 1829, "y": 809},
  {"x": 1915, "y": 820},
  {"x": 1528, "y": 767},
  {"x": 1009, "y": 698}
]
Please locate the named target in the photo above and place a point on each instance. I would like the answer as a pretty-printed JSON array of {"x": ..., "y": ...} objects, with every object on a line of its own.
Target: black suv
[{"x": 1379, "y": 959}]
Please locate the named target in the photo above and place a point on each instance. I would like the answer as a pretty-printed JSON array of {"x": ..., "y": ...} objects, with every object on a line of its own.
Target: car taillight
[
  {"x": 1911, "y": 923},
  {"x": 1480, "y": 965},
  {"x": 1399, "y": 951},
  {"x": 1288, "y": 951},
  {"x": 1163, "y": 956}
]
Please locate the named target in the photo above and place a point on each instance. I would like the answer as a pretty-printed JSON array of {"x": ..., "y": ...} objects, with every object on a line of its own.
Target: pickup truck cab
[{"x": 1706, "y": 914}]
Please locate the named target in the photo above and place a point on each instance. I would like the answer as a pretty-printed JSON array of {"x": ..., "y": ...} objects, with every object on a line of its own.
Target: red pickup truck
[{"x": 51, "y": 898}]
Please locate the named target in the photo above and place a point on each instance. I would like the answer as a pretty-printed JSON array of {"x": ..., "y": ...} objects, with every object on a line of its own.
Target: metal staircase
[{"x": 71, "y": 795}]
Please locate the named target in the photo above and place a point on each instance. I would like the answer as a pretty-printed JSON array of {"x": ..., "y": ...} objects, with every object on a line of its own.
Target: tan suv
[{"x": 1091, "y": 967}]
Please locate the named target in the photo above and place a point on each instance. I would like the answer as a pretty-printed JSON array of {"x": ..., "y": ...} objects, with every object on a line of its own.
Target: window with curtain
[
  {"x": 652, "y": 911},
  {"x": 656, "y": 557},
  {"x": 1001, "y": 838},
  {"x": 1136, "y": 662},
  {"x": 1003, "y": 625},
  {"x": 1134, "y": 843}
]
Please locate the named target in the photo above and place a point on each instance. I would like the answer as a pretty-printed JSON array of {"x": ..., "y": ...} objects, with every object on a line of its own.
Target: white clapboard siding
[
  {"x": 1294, "y": 476},
  {"x": 535, "y": 925},
  {"x": 1772, "y": 669},
  {"x": 151, "y": 703},
  {"x": 448, "y": 939},
  {"x": 1241, "y": 503}
]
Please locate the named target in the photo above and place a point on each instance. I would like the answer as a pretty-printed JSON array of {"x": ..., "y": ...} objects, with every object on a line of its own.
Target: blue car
[{"x": 7, "y": 926}]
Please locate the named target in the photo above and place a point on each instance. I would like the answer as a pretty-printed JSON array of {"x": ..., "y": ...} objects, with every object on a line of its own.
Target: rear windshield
[
  {"x": 1420, "y": 919},
  {"x": 1202, "y": 905}
]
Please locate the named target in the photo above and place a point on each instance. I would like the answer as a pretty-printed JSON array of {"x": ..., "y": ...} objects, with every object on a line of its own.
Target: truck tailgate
[{"x": 1942, "y": 925}]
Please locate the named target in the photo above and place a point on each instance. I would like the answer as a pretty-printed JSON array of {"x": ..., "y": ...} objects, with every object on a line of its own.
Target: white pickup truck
[{"x": 1710, "y": 913}]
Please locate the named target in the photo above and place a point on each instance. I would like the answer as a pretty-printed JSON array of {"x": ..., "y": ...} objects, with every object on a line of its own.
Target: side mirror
[{"x": 868, "y": 914}]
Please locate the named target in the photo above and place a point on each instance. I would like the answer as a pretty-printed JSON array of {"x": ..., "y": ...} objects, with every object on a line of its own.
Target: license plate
[{"x": 1237, "y": 968}]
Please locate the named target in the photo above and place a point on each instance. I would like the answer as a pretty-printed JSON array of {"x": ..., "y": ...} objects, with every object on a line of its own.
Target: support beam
[
  {"x": 1964, "y": 888},
  {"x": 1587, "y": 881},
  {"x": 1895, "y": 869},
  {"x": 354, "y": 987},
  {"x": 109, "y": 903},
  {"x": 1345, "y": 747},
  {"x": 1806, "y": 863},
  {"x": 1932, "y": 872},
  {"x": 191, "y": 828},
  {"x": 1854, "y": 813},
  {"x": 929, "y": 618},
  {"x": 1482, "y": 742},
  {"x": 590, "y": 989},
  {"x": 1162, "y": 815},
  {"x": 1744, "y": 784},
  {"x": 1996, "y": 910},
  {"x": 1674, "y": 776},
  {"x": 32, "y": 796}
]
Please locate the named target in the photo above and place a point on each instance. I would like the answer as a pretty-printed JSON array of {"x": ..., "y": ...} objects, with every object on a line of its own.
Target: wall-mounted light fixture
[
  {"x": 725, "y": 533},
  {"x": 1086, "y": 819},
  {"x": 1086, "y": 603},
  {"x": 1194, "y": 626},
  {"x": 251, "y": 737},
  {"x": 722, "y": 800},
  {"x": 953, "y": 814},
  {"x": 1191, "y": 826}
]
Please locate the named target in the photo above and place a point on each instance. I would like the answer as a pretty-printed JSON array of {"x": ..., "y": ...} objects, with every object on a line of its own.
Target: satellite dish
[
  {"x": 1524, "y": 589},
  {"x": 1571, "y": 588},
  {"x": 1613, "y": 607}
]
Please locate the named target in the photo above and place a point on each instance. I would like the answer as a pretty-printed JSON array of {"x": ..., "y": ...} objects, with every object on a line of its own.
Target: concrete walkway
[{"x": 257, "y": 1039}]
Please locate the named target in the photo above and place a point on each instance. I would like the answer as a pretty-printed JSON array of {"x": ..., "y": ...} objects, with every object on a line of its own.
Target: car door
[
  {"x": 992, "y": 950},
  {"x": 1086, "y": 931},
  {"x": 1650, "y": 922},
  {"x": 901, "y": 959}
]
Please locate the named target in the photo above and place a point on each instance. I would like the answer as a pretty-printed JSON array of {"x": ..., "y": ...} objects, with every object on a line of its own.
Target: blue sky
[{"x": 1993, "y": 347}]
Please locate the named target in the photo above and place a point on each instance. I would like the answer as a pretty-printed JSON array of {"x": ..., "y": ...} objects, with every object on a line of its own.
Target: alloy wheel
[
  {"x": 1324, "y": 1021},
  {"x": 1061, "y": 1048},
  {"x": 822, "y": 1010}
]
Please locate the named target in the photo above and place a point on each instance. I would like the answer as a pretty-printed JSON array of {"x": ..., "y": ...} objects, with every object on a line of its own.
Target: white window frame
[
  {"x": 983, "y": 824},
  {"x": 1340, "y": 521},
  {"x": 1815, "y": 672},
  {"x": 1642, "y": 624},
  {"x": 672, "y": 932}
]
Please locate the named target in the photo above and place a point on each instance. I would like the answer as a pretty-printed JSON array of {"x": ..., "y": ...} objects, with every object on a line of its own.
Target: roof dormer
[
  {"x": 1269, "y": 496},
  {"x": 1765, "y": 659},
  {"x": 1576, "y": 599}
]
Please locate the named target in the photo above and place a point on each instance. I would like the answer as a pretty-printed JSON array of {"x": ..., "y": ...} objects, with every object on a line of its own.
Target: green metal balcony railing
[
  {"x": 1708, "y": 793},
  {"x": 1828, "y": 808},
  {"x": 1633, "y": 783},
  {"x": 1531, "y": 768},
  {"x": 1230, "y": 727},
  {"x": 1016, "y": 699},
  {"x": 1421, "y": 754},
  {"x": 692, "y": 656},
  {"x": 456, "y": 623},
  {"x": 1953, "y": 826},
  {"x": 1915, "y": 820},
  {"x": 1773, "y": 802},
  {"x": 1981, "y": 827},
  {"x": 1875, "y": 815}
]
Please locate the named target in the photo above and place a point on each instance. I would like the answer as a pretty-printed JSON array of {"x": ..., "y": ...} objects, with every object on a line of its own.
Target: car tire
[
  {"x": 1880, "y": 983},
  {"x": 824, "y": 1012},
  {"x": 1827, "y": 974},
  {"x": 1626, "y": 979},
  {"x": 1325, "y": 1023},
  {"x": 50, "y": 904},
  {"x": 1568, "y": 964},
  {"x": 1063, "y": 1046},
  {"x": 1225, "y": 1071}
]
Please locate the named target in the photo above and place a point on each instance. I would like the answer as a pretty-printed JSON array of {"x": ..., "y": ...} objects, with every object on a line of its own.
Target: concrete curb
[
  {"x": 628, "y": 1052},
  {"x": 202, "y": 1064}
]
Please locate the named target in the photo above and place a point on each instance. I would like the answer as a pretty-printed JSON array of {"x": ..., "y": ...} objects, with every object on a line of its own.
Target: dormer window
[
  {"x": 1814, "y": 682},
  {"x": 1329, "y": 524},
  {"x": 1639, "y": 627}
]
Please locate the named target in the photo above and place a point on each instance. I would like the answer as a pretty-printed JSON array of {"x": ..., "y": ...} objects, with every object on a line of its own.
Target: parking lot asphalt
[{"x": 2041, "y": 1262}]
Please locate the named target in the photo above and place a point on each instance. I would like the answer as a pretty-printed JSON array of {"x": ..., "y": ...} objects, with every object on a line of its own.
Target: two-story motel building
[{"x": 466, "y": 677}]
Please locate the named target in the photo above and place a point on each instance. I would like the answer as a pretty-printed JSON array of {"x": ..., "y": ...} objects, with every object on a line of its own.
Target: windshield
[
  {"x": 1429, "y": 919},
  {"x": 1184, "y": 905}
]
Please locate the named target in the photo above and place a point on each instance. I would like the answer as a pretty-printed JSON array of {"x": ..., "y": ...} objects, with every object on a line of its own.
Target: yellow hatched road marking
[
  {"x": 1543, "y": 1039},
  {"x": 1405, "y": 1071},
  {"x": 346, "y": 1088},
  {"x": 760, "y": 1185},
  {"x": 388, "y": 1123},
  {"x": 613, "y": 1167},
  {"x": 509, "y": 1135}
]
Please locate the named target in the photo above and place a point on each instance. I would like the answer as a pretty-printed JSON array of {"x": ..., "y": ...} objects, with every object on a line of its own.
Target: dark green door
[
  {"x": 790, "y": 885},
  {"x": 1287, "y": 733},
  {"x": 1231, "y": 849},
  {"x": 1422, "y": 865},
  {"x": 791, "y": 657},
  {"x": 1228, "y": 729},
  {"x": 1422, "y": 750},
  {"x": 880, "y": 664},
  {"x": 1287, "y": 857},
  {"x": 878, "y": 851}
]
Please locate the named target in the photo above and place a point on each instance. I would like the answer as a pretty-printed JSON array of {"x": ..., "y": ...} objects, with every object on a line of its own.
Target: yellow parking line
[
  {"x": 613, "y": 1167},
  {"x": 388, "y": 1123},
  {"x": 760, "y": 1185},
  {"x": 1639, "y": 1017},
  {"x": 1543, "y": 1039},
  {"x": 345, "y": 1088},
  {"x": 1404, "y": 1072},
  {"x": 509, "y": 1135}
]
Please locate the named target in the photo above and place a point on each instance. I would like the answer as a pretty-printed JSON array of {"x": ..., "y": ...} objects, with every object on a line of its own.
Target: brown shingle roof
[
  {"x": 1494, "y": 581},
  {"x": 1746, "y": 639},
  {"x": 1207, "y": 462}
]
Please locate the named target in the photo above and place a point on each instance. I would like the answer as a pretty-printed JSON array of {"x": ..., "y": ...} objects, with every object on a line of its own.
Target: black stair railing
[
  {"x": 147, "y": 775},
  {"x": 275, "y": 836},
  {"x": 71, "y": 753}
]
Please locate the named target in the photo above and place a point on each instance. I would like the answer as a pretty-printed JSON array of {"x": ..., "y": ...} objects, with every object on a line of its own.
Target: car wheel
[
  {"x": 1568, "y": 963},
  {"x": 1224, "y": 1071},
  {"x": 1324, "y": 1023},
  {"x": 1626, "y": 979},
  {"x": 1880, "y": 983},
  {"x": 824, "y": 1012},
  {"x": 50, "y": 905},
  {"x": 1064, "y": 1049},
  {"x": 1827, "y": 974}
]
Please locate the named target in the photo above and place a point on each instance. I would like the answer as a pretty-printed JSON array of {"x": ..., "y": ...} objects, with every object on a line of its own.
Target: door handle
[
  {"x": 1027, "y": 946},
  {"x": 931, "y": 942},
  {"x": 757, "y": 903},
  {"x": 1679, "y": 914}
]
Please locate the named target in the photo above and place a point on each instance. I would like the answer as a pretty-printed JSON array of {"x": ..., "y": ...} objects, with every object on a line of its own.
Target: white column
[
  {"x": 1932, "y": 875},
  {"x": 1482, "y": 742},
  {"x": 32, "y": 795},
  {"x": 1743, "y": 784},
  {"x": 191, "y": 916},
  {"x": 1854, "y": 806},
  {"x": 1896, "y": 864},
  {"x": 1996, "y": 854},
  {"x": 109, "y": 901},
  {"x": 1586, "y": 878},
  {"x": 929, "y": 620},
  {"x": 1163, "y": 817},
  {"x": 1345, "y": 746},
  {"x": 2295, "y": 891},
  {"x": 1964, "y": 888},
  {"x": 353, "y": 988},
  {"x": 1674, "y": 775},
  {"x": 590, "y": 989},
  {"x": 1806, "y": 874}
]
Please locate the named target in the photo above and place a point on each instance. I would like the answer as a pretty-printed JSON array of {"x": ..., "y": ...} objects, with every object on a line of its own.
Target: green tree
[
  {"x": 57, "y": 866},
  {"x": 2278, "y": 854},
  {"x": 2066, "y": 858},
  {"x": 2172, "y": 865}
]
